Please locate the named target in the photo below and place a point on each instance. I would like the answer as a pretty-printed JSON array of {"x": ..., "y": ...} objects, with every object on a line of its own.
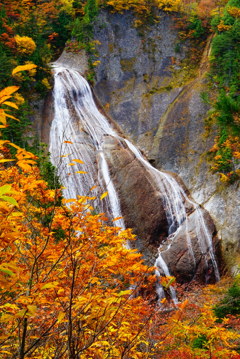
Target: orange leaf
[
  {"x": 65, "y": 155},
  {"x": 116, "y": 219},
  {"x": 79, "y": 161},
  {"x": 23, "y": 68},
  {"x": 69, "y": 200},
  {"x": 92, "y": 188}
]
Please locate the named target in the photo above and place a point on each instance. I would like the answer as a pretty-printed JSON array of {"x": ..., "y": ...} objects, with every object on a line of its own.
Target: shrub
[{"x": 25, "y": 44}]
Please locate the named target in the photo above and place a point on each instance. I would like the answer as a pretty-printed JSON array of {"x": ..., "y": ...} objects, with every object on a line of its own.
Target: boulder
[{"x": 140, "y": 200}]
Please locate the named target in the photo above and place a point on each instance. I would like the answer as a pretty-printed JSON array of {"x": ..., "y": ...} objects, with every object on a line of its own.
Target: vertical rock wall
[
  {"x": 143, "y": 84},
  {"x": 137, "y": 68}
]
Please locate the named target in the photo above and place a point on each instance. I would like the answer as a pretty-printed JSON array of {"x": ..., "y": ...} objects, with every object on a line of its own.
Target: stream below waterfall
[{"x": 76, "y": 141}]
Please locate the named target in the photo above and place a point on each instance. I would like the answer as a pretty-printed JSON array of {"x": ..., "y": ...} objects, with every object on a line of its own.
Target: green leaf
[
  {"x": 5, "y": 189},
  {"x": 6, "y": 271},
  {"x": 9, "y": 200},
  {"x": 50, "y": 285}
]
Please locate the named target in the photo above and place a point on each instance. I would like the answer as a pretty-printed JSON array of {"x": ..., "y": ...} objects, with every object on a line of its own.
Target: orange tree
[
  {"x": 69, "y": 285},
  {"x": 195, "y": 331}
]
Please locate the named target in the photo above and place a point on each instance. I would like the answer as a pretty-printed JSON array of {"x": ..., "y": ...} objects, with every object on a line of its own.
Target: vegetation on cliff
[{"x": 225, "y": 77}]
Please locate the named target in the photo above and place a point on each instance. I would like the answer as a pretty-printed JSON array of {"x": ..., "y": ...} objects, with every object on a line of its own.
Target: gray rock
[
  {"x": 136, "y": 68},
  {"x": 141, "y": 203},
  {"x": 140, "y": 80}
]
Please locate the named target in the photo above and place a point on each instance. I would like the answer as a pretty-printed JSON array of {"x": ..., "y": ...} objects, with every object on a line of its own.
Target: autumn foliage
[
  {"x": 70, "y": 287},
  {"x": 24, "y": 44},
  {"x": 225, "y": 152},
  {"x": 143, "y": 7}
]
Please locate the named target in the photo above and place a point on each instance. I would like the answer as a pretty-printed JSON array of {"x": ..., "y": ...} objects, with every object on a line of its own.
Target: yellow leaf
[
  {"x": 4, "y": 206},
  {"x": 82, "y": 199},
  {"x": 124, "y": 292},
  {"x": 60, "y": 317},
  {"x": 11, "y": 104},
  {"x": 7, "y": 92},
  {"x": 6, "y": 160},
  {"x": 6, "y": 317},
  {"x": 3, "y": 118},
  {"x": 32, "y": 309},
  {"x": 17, "y": 214},
  {"x": 80, "y": 172},
  {"x": 23, "y": 68},
  {"x": 71, "y": 164},
  {"x": 104, "y": 195},
  {"x": 223, "y": 177},
  {"x": 4, "y": 99},
  {"x": 21, "y": 313},
  {"x": 88, "y": 206},
  {"x": 15, "y": 146}
]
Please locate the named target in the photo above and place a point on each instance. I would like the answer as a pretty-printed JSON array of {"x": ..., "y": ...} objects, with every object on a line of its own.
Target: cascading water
[{"x": 77, "y": 134}]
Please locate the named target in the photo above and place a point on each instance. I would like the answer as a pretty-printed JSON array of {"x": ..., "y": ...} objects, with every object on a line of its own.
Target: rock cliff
[{"x": 143, "y": 83}]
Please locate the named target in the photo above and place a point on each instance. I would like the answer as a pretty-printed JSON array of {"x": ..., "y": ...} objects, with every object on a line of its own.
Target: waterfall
[
  {"x": 76, "y": 147},
  {"x": 76, "y": 137}
]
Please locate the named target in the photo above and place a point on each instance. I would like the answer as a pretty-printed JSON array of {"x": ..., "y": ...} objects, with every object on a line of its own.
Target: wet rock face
[
  {"x": 186, "y": 251},
  {"x": 180, "y": 259},
  {"x": 141, "y": 205},
  {"x": 180, "y": 145},
  {"x": 138, "y": 81}
]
